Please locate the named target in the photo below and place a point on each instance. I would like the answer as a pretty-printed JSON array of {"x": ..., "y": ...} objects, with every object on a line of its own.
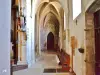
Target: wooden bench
[{"x": 64, "y": 59}]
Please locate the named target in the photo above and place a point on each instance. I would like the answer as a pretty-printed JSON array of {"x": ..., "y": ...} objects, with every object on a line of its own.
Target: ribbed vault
[
  {"x": 51, "y": 18},
  {"x": 48, "y": 5}
]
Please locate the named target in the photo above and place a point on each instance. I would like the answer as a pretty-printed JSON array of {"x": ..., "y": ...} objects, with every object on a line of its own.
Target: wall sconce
[
  {"x": 76, "y": 22},
  {"x": 81, "y": 50}
]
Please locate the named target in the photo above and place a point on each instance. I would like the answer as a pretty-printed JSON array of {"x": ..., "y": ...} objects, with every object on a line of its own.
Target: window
[{"x": 76, "y": 8}]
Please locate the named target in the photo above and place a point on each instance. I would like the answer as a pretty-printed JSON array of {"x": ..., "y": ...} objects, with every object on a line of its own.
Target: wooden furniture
[
  {"x": 64, "y": 60},
  {"x": 19, "y": 67}
]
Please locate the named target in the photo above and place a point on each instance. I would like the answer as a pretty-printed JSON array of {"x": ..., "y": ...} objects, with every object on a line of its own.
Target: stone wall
[{"x": 82, "y": 29}]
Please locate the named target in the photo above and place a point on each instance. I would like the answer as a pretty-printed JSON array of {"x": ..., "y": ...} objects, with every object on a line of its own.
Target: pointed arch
[{"x": 50, "y": 41}]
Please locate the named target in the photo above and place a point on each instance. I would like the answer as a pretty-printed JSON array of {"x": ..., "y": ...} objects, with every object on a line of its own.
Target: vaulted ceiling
[{"x": 51, "y": 8}]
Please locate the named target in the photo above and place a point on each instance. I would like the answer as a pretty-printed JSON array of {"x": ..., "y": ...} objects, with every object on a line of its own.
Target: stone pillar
[
  {"x": 24, "y": 52},
  {"x": 90, "y": 43},
  {"x": 60, "y": 35},
  {"x": 39, "y": 40},
  {"x": 21, "y": 48},
  {"x": 38, "y": 35}
]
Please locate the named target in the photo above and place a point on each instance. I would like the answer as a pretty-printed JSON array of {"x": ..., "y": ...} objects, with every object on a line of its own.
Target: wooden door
[
  {"x": 50, "y": 41},
  {"x": 97, "y": 42}
]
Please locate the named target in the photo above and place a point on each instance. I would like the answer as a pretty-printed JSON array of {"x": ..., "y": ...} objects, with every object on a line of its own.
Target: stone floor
[{"x": 46, "y": 61}]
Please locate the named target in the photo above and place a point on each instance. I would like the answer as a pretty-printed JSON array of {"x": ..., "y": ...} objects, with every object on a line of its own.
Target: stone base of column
[{"x": 21, "y": 63}]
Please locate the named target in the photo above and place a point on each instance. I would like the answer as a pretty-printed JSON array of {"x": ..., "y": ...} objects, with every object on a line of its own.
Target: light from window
[{"x": 76, "y": 8}]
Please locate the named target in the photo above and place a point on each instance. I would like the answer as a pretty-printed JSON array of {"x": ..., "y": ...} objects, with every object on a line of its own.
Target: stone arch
[
  {"x": 54, "y": 19},
  {"x": 56, "y": 8},
  {"x": 40, "y": 2},
  {"x": 44, "y": 8},
  {"x": 50, "y": 7},
  {"x": 43, "y": 17},
  {"x": 44, "y": 4},
  {"x": 60, "y": 2}
]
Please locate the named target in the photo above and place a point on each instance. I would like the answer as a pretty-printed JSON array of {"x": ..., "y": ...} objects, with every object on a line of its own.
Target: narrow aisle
[{"x": 46, "y": 61}]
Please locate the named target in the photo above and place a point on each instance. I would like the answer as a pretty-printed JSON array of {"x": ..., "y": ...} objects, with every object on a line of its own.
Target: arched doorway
[
  {"x": 50, "y": 41},
  {"x": 92, "y": 38}
]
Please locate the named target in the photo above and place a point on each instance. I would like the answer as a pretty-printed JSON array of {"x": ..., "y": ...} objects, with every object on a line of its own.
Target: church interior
[{"x": 55, "y": 37}]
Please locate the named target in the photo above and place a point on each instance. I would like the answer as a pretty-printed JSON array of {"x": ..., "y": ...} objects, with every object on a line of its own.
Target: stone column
[
  {"x": 38, "y": 35},
  {"x": 21, "y": 49},
  {"x": 60, "y": 37},
  {"x": 90, "y": 43},
  {"x": 39, "y": 40}
]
